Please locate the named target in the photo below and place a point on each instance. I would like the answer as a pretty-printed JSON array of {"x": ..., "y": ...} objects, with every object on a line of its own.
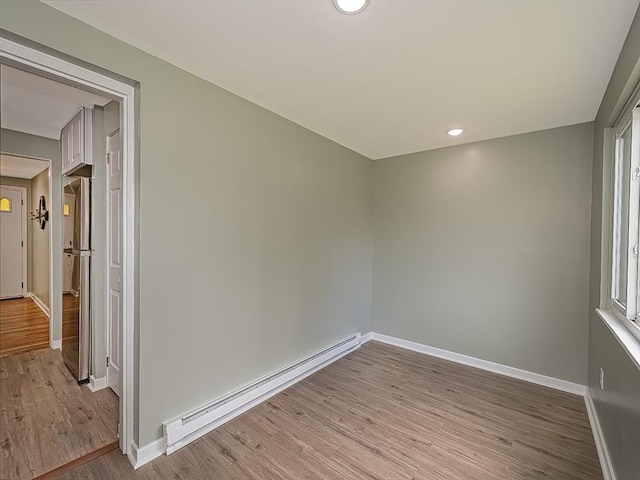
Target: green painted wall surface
[
  {"x": 254, "y": 233},
  {"x": 618, "y": 405},
  {"x": 44, "y": 148},
  {"x": 26, "y": 183},
  {"x": 483, "y": 249},
  {"x": 40, "y": 281}
]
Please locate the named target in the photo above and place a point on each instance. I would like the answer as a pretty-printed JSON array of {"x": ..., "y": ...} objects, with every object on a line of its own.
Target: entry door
[
  {"x": 12, "y": 242},
  {"x": 114, "y": 260}
]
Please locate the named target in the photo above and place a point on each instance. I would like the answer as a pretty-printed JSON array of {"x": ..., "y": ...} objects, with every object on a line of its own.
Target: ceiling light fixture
[
  {"x": 454, "y": 132},
  {"x": 350, "y": 7}
]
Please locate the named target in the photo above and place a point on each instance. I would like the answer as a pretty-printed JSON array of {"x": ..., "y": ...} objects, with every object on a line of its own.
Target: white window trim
[
  {"x": 623, "y": 333},
  {"x": 613, "y": 314}
]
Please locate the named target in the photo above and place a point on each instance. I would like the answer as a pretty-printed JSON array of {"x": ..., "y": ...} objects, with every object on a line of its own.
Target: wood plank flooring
[
  {"x": 23, "y": 326},
  {"x": 387, "y": 413},
  {"x": 46, "y": 418}
]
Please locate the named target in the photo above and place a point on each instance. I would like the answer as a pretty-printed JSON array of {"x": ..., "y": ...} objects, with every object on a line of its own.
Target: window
[
  {"x": 625, "y": 286},
  {"x": 5, "y": 204}
]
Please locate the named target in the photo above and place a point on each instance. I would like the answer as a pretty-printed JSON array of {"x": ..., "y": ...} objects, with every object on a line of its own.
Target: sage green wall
[
  {"x": 254, "y": 233},
  {"x": 40, "y": 248},
  {"x": 483, "y": 249},
  {"x": 44, "y": 148},
  {"x": 26, "y": 183},
  {"x": 618, "y": 405}
]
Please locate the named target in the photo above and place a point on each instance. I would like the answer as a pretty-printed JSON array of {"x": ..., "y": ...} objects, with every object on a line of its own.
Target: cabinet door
[
  {"x": 65, "y": 143},
  {"x": 77, "y": 139}
]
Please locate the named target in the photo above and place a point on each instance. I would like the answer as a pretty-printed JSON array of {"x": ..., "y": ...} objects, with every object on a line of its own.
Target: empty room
[{"x": 334, "y": 239}]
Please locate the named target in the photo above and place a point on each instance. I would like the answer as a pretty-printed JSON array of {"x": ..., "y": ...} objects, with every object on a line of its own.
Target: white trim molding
[
  {"x": 56, "y": 344},
  {"x": 498, "y": 368},
  {"x": 140, "y": 456},
  {"x": 606, "y": 464},
  {"x": 623, "y": 333},
  {"x": 39, "y": 303},
  {"x": 96, "y": 384}
]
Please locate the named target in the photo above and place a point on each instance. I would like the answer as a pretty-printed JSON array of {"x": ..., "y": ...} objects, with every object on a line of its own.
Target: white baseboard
[
  {"x": 525, "y": 375},
  {"x": 141, "y": 456},
  {"x": 366, "y": 337},
  {"x": 39, "y": 303},
  {"x": 608, "y": 472},
  {"x": 56, "y": 344},
  {"x": 96, "y": 384}
]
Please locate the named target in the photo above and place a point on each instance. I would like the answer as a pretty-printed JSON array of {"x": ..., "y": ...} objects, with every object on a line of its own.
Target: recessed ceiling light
[
  {"x": 454, "y": 132},
  {"x": 350, "y": 7}
]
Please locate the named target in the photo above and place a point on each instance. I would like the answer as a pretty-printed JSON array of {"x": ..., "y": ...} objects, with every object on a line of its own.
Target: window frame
[{"x": 629, "y": 316}]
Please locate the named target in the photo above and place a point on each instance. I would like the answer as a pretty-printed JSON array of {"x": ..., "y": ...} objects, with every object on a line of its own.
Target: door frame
[
  {"x": 23, "y": 234},
  {"x": 55, "y": 68}
]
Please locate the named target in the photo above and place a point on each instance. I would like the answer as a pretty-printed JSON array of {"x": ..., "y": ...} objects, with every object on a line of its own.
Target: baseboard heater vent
[{"x": 183, "y": 430}]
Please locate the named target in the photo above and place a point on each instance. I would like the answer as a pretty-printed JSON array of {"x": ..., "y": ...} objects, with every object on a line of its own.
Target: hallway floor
[
  {"x": 46, "y": 419},
  {"x": 23, "y": 326}
]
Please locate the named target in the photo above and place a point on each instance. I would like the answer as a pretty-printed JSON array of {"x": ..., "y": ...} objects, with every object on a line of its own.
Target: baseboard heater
[{"x": 183, "y": 430}]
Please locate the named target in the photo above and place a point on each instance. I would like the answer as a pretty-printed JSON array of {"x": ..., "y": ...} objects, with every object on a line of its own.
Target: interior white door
[
  {"x": 12, "y": 242},
  {"x": 114, "y": 260}
]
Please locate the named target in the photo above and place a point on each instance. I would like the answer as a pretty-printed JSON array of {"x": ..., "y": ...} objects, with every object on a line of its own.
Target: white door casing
[
  {"x": 65, "y": 71},
  {"x": 13, "y": 242},
  {"x": 114, "y": 260}
]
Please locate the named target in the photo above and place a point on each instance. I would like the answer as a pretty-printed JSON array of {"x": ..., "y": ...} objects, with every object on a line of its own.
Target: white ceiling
[
  {"x": 392, "y": 79},
  {"x": 21, "y": 167},
  {"x": 37, "y": 105}
]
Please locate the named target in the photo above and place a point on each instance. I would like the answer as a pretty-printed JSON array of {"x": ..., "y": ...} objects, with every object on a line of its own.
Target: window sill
[{"x": 622, "y": 333}]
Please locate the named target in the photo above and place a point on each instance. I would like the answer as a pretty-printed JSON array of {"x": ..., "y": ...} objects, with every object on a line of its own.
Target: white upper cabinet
[{"x": 75, "y": 141}]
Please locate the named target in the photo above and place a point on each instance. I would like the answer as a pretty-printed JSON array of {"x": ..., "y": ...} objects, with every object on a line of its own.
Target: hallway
[{"x": 23, "y": 326}]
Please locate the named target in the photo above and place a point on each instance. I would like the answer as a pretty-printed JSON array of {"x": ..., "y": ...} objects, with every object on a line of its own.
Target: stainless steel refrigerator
[{"x": 76, "y": 300}]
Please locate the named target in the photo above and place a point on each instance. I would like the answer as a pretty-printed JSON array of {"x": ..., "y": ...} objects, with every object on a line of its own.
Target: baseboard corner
[
  {"x": 366, "y": 337},
  {"x": 139, "y": 456},
  {"x": 39, "y": 303},
  {"x": 55, "y": 344},
  {"x": 96, "y": 384}
]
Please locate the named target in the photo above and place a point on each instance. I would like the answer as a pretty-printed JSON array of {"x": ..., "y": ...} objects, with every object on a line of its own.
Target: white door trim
[
  {"x": 25, "y": 244},
  {"x": 68, "y": 72},
  {"x": 23, "y": 233}
]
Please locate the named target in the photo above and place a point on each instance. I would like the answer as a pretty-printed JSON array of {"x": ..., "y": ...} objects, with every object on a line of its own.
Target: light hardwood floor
[
  {"x": 23, "y": 326},
  {"x": 47, "y": 419},
  {"x": 386, "y": 413}
]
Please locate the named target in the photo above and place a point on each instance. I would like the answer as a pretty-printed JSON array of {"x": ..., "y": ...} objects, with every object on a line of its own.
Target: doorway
[
  {"x": 50, "y": 67},
  {"x": 26, "y": 290}
]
